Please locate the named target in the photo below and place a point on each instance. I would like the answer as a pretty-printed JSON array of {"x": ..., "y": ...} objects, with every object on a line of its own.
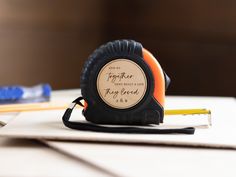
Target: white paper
[
  {"x": 27, "y": 158},
  {"x": 152, "y": 161},
  {"x": 48, "y": 125}
]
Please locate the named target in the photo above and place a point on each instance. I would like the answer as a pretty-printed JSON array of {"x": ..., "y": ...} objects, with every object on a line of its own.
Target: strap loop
[{"x": 104, "y": 129}]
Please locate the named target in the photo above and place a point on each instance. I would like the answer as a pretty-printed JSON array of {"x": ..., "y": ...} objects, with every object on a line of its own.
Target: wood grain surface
[{"x": 46, "y": 41}]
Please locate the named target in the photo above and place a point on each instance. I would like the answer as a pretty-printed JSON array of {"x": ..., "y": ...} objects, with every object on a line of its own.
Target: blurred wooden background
[{"x": 48, "y": 41}]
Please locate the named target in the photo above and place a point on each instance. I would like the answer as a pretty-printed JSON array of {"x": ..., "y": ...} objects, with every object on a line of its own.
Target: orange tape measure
[{"x": 122, "y": 83}]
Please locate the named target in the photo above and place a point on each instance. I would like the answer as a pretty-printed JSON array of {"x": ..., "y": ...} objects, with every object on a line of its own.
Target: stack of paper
[{"x": 48, "y": 125}]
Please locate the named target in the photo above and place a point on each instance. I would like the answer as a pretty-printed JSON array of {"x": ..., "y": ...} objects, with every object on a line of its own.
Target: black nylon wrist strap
[{"x": 104, "y": 129}]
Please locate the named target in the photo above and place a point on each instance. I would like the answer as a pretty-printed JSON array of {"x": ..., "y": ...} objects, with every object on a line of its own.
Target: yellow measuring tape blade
[
  {"x": 190, "y": 112},
  {"x": 186, "y": 111}
]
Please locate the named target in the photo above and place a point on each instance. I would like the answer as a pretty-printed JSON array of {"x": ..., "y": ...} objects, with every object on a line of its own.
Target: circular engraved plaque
[{"x": 121, "y": 83}]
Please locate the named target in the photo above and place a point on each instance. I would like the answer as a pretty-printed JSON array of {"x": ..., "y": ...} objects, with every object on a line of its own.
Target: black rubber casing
[{"x": 147, "y": 111}]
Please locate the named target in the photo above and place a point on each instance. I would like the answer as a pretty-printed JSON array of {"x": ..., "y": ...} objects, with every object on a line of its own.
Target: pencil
[
  {"x": 32, "y": 107},
  {"x": 58, "y": 106}
]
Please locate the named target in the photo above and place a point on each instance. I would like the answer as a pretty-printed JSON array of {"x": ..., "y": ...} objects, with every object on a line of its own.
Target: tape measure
[{"x": 122, "y": 83}]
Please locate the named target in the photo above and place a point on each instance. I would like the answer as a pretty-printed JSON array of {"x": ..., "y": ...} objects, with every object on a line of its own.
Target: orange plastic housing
[
  {"x": 85, "y": 105},
  {"x": 159, "y": 80}
]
